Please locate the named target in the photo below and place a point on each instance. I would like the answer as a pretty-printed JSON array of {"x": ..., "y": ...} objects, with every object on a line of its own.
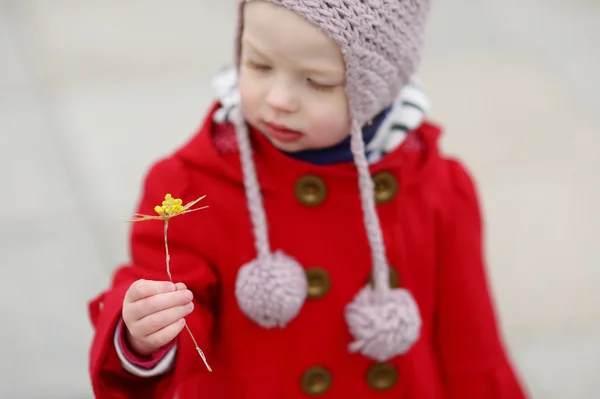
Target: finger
[
  {"x": 159, "y": 320},
  {"x": 146, "y": 288},
  {"x": 180, "y": 286},
  {"x": 166, "y": 334},
  {"x": 152, "y": 304}
]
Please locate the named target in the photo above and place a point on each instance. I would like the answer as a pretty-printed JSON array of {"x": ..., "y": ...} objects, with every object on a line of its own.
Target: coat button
[
  {"x": 310, "y": 190},
  {"x": 382, "y": 376},
  {"x": 386, "y": 187},
  {"x": 318, "y": 282},
  {"x": 394, "y": 278},
  {"x": 316, "y": 381}
]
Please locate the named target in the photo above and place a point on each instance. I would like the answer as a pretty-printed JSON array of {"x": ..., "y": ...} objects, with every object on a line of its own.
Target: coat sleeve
[
  {"x": 475, "y": 364},
  {"x": 108, "y": 377}
]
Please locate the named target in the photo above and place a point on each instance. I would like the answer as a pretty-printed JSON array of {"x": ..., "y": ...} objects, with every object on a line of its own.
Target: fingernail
[
  {"x": 189, "y": 296},
  {"x": 189, "y": 307}
]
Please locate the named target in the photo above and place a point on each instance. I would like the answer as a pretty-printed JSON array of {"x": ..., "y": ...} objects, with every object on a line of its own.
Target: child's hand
[{"x": 153, "y": 312}]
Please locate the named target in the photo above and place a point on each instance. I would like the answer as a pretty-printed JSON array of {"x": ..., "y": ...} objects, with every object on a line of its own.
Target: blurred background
[{"x": 91, "y": 92}]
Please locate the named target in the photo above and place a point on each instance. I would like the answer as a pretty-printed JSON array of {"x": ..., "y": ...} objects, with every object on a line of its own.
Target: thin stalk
[{"x": 171, "y": 279}]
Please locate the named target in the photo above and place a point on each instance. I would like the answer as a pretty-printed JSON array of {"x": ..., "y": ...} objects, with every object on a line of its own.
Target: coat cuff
[{"x": 149, "y": 366}]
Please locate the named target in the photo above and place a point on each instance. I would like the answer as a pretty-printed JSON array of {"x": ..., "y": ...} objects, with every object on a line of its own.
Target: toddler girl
[{"x": 341, "y": 254}]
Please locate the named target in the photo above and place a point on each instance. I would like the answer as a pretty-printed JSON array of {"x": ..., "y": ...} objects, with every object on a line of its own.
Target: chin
[{"x": 287, "y": 147}]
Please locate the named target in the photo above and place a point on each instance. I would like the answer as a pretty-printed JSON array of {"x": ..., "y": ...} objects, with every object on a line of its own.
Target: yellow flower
[{"x": 170, "y": 208}]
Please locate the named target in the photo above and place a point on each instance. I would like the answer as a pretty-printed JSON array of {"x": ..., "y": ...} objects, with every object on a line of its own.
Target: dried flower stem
[
  {"x": 171, "y": 279},
  {"x": 170, "y": 208}
]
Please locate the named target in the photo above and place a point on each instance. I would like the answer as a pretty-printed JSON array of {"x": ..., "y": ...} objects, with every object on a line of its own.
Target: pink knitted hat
[{"x": 381, "y": 42}]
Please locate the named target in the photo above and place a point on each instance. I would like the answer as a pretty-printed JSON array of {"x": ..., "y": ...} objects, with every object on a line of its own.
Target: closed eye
[
  {"x": 258, "y": 66},
  {"x": 320, "y": 86}
]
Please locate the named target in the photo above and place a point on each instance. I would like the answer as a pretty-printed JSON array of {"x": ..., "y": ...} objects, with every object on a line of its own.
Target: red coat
[{"x": 432, "y": 231}]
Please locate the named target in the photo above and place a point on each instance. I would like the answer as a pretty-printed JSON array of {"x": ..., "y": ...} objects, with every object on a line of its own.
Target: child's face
[{"x": 291, "y": 80}]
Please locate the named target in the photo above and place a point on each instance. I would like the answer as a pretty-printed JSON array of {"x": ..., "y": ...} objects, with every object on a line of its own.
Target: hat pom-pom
[
  {"x": 271, "y": 290},
  {"x": 383, "y": 328}
]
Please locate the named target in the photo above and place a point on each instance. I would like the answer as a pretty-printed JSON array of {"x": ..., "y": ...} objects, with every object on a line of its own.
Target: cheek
[
  {"x": 331, "y": 121},
  {"x": 249, "y": 98}
]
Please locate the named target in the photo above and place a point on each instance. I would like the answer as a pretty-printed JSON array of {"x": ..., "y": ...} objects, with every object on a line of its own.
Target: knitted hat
[{"x": 380, "y": 41}]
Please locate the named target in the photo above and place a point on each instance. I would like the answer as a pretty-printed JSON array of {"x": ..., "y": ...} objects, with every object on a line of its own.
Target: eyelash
[
  {"x": 314, "y": 85},
  {"x": 258, "y": 67},
  {"x": 318, "y": 86}
]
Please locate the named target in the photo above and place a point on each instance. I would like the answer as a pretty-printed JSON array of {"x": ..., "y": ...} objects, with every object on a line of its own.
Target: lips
[{"x": 281, "y": 133}]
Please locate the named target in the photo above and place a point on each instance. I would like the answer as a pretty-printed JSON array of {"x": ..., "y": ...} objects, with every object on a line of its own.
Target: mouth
[{"x": 281, "y": 133}]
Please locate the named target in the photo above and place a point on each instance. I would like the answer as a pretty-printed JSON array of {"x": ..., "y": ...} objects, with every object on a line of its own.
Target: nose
[{"x": 281, "y": 97}]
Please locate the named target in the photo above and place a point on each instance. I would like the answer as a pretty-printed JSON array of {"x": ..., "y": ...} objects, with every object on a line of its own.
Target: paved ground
[{"x": 91, "y": 92}]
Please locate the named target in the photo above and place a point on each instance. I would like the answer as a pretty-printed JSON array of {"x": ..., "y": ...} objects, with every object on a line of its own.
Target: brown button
[
  {"x": 316, "y": 381},
  {"x": 318, "y": 282},
  {"x": 382, "y": 376},
  {"x": 386, "y": 187},
  {"x": 311, "y": 190},
  {"x": 394, "y": 278}
]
